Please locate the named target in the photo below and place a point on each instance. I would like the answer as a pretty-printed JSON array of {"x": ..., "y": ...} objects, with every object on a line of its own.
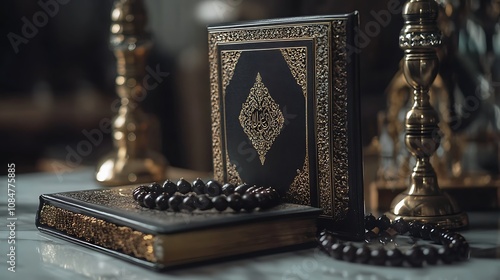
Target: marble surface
[{"x": 42, "y": 257}]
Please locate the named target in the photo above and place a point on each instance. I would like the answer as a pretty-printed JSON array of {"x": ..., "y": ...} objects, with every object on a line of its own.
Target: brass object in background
[
  {"x": 423, "y": 200},
  {"x": 132, "y": 160}
]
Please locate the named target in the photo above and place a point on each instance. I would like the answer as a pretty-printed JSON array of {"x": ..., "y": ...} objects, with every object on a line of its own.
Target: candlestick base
[{"x": 438, "y": 209}]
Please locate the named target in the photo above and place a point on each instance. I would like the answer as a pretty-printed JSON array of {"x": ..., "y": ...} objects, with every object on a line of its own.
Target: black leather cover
[{"x": 285, "y": 112}]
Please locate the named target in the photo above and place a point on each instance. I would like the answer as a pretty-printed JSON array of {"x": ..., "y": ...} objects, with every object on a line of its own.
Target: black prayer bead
[
  {"x": 198, "y": 186},
  {"x": 188, "y": 203},
  {"x": 155, "y": 188},
  {"x": 430, "y": 255},
  {"x": 378, "y": 256},
  {"x": 454, "y": 246},
  {"x": 383, "y": 222},
  {"x": 445, "y": 255},
  {"x": 363, "y": 254},
  {"x": 241, "y": 189},
  {"x": 235, "y": 202},
  {"x": 137, "y": 191},
  {"x": 400, "y": 226},
  {"x": 228, "y": 189},
  {"x": 425, "y": 231},
  {"x": 370, "y": 222},
  {"x": 326, "y": 241},
  {"x": 249, "y": 201},
  {"x": 254, "y": 189},
  {"x": 175, "y": 201},
  {"x": 384, "y": 237},
  {"x": 213, "y": 188},
  {"x": 140, "y": 198},
  {"x": 414, "y": 256},
  {"x": 370, "y": 236},
  {"x": 415, "y": 227},
  {"x": 336, "y": 250},
  {"x": 349, "y": 253},
  {"x": 263, "y": 200},
  {"x": 275, "y": 196},
  {"x": 150, "y": 200},
  {"x": 169, "y": 187},
  {"x": 446, "y": 238},
  {"x": 220, "y": 202},
  {"x": 162, "y": 201},
  {"x": 203, "y": 202},
  {"x": 395, "y": 257},
  {"x": 183, "y": 186},
  {"x": 435, "y": 235}
]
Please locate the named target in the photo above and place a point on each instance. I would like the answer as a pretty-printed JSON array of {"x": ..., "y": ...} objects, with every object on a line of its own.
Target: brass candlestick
[
  {"x": 132, "y": 160},
  {"x": 423, "y": 200}
]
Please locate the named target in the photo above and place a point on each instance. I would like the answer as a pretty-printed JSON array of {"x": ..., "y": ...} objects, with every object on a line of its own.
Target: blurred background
[{"x": 57, "y": 81}]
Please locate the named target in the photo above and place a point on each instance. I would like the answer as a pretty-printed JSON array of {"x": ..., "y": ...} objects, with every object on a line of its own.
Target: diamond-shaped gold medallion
[{"x": 261, "y": 118}]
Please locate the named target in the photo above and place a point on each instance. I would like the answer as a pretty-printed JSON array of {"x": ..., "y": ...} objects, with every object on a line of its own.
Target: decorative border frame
[{"x": 330, "y": 86}]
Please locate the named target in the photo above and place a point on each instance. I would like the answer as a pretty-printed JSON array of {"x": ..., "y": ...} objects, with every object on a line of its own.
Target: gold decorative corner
[
  {"x": 296, "y": 58},
  {"x": 300, "y": 191},
  {"x": 233, "y": 176},
  {"x": 229, "y": 59}
]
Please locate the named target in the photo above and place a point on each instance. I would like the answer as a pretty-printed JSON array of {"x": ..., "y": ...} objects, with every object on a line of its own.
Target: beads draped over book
[{"x": 204, "y": 196}]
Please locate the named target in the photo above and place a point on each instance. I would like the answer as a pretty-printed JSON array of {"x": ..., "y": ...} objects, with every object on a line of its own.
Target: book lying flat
[{"x": 109, "y": 220}]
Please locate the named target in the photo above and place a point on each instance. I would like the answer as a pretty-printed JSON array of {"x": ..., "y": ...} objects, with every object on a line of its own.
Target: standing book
[
  {"x": 109, "y": 220},
  {"x": 286, "y": 112}
]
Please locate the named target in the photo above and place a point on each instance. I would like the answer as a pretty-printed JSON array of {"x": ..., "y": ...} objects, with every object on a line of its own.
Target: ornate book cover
[
  {"x": 285, "y": 112},
  {"x": 109, "y": 220}
]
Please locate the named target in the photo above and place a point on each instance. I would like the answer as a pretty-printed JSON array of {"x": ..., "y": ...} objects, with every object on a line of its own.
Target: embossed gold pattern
[
  {"x": 261, "y": 118},
  {"x": 99, "y": 232},
  {"x": 323, "y": 35},
  {"x": 340, "y": 162},
  {"x": 296, "y": 58},
  {"x": 299, "y": 192},
  {"x": 233, "y": 176},
  {"x": 230, "y": 59}
]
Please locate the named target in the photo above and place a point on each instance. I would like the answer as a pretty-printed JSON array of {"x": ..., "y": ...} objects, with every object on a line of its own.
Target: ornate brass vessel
[
  {"x": 132, "y": 160},
  {"x": 423, "y": 200}
]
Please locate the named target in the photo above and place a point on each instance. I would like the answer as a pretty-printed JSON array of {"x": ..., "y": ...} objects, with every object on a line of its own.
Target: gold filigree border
[
  {"x": 296, "y": 58},
  {"x": 99, "y": 232},
  {"x": 340, "y": 130},
  {"x": 322, "y": 33}
]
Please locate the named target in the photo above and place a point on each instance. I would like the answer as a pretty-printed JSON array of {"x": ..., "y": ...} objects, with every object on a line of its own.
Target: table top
[{"x": 40, "y": 256}]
